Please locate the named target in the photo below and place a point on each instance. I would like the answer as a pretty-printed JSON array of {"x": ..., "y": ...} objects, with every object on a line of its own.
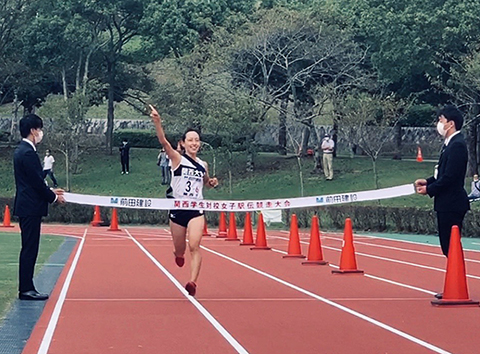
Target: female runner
[{"x": 189, "y": 174}]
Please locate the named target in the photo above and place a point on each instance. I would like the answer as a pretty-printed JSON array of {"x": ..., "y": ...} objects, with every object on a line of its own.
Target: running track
[{"x": 121, "y": 292}]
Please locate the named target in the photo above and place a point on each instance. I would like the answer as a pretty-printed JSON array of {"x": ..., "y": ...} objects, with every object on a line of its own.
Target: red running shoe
[
  {"x": 180, "y": 261},
  {"x": 191, "y": 288}
]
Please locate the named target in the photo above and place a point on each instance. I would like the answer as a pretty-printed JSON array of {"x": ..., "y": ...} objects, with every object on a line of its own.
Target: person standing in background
[
  {"x": 125, "y": 156},
  {"x": 32, "y": 197},
  {"x": 475, "y": 189},
  {"x": 328, "y": 145},
  {"x": 48, "y": 162},
  {"x": 164, "y": 162}
]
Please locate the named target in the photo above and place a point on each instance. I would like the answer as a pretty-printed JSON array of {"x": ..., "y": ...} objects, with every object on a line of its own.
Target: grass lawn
[
  {"x": 274, "y": 176},
  {"x": 9, "y": 252}
]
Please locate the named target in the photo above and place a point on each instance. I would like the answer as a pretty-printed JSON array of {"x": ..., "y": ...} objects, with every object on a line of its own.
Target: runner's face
[{"x": 192, "y": 143}]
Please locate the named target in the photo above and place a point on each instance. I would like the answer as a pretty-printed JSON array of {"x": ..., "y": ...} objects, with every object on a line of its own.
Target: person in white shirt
[
  {"x": 327, "y": 146},
  {"x": 475, "y": 191},
  {"x": 48, "y": 168}
]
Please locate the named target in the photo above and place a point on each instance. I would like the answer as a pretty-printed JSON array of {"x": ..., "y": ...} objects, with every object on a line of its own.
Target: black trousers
[
  {"x": 125, "y": 163},
  {"x": 52, "y": 176},
  {"x": 445, "y": 221},
  {"x": 30, "y": 230}
]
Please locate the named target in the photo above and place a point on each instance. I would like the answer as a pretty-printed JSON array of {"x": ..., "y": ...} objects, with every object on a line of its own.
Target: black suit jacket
[
  {"x": 448, "y": 188},
  {"x": 32, "y": 194}
]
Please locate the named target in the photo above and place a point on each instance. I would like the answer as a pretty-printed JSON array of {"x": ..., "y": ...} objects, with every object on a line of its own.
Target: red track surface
[{"x": 120, "y": 301}]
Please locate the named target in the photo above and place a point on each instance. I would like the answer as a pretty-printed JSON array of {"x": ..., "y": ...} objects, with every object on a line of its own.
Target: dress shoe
[
  {"x": 32, "y": 295},
  {"x": 439, "y": 296}
]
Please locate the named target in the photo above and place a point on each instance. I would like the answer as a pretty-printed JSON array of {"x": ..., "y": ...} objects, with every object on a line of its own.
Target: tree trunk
[
  {"x": 110, "y": 113},
  {"x": 250, "y": 153},
  {"x": 471, "y": 140},
  {"x": 375, "y": 174},
  {"x": 335, "y": 137},
  {"x": 13, "y": 123},
  {"x": 282, "y": 131},
  {"x": 78, "y": 74},
  {"x": 64, "y": 84},
  {"x": 300, "y": 175},
  {"x": 85, "y": 72},
  {"x": 398, "y": 141},
  {"x": 305, "y": 140}
]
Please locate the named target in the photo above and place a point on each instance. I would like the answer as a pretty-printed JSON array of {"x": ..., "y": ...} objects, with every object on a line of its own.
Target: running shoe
[
  {"x": 180, "y": 261},
  {"x": 191, "y": 288}
]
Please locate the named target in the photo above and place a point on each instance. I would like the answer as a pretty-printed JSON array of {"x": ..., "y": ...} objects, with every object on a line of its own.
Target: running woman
[{"x": 189, "y": 174}]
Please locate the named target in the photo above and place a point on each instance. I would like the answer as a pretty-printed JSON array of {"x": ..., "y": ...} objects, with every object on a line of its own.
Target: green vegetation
[
  {"x": 274, "y": 176},
  {"x": 9, "y": 251}
]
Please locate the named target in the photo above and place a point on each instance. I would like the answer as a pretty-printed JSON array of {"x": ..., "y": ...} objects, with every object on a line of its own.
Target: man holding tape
[
  {"x": 31, "y": 202},
  {"x": 446, "y": 185}
]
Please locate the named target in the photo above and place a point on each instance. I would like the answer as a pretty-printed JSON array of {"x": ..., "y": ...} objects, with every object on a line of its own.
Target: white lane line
[
  {"x": 387, "y": 259},
  {"x": 62, "y": 235},
  {"x": 402, "y": 249},
  {"x": 253, "y": 299},
  {"x": 334, "y": 304},
  {"x": 393, "y": 282},
  {"x": 416, "y": 243},
  {"x": 52, "y": 324},
  {"x": 233, "y": 342}
]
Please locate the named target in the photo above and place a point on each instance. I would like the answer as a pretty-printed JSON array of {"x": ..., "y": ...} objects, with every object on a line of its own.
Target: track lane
[
  {"x": 280, "y": 317},
  {"x": 282, "y": 325}
]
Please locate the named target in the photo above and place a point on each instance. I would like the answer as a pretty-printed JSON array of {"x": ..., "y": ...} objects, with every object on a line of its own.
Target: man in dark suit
[
  {"x": 446, "y": 186},
  {"x": 125, "y": 156},
  {"x": 31, "y": 202}
]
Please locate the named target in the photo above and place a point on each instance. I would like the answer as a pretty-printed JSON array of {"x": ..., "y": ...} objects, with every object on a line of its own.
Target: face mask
[
  {"x": 39, "y": 137},
  {"x": 441, "y": 129}
]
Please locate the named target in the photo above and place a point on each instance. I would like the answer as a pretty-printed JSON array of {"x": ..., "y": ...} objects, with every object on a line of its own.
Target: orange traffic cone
[
  {"x": 114, "y": 223},
  {"x": 348, "y": 263},
  {"x": 419, "y": 154},
  {"x": 97, "y": 220},
  {"x": 455, "y": 291},
  {"x": 294, "y": 248},
  {"x": 232, "y": 229},
  {"x": 205, "y": 230},
  {"x": 6, "y": 217},
  {"x": 261, "y": 242},
  {"x": 222, "y": 227},
  {"x": 315, "y": 254},
  {"x": 247, "y": 232}
]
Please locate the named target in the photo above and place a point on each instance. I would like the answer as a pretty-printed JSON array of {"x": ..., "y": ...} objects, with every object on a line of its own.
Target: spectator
[
  {"x": 328, "y": 145},
  {"x": 475, "y": 191},
  {"x": 125, "y": 156},
  {"x": 48, "y": 168},
  {"x": 164, "y": 163}
]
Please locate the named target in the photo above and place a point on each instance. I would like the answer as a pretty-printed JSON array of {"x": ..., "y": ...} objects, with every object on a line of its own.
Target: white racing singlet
[{"x": 187, "y": 179}]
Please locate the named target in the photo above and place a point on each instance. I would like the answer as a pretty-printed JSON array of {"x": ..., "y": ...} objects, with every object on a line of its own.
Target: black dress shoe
[
  {"x": 439, "y": 296},
  {"x": 32, "y": 295}
]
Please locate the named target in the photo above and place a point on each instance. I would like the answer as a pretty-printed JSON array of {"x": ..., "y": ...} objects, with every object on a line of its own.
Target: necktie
[{"x": 443, "y": 149}]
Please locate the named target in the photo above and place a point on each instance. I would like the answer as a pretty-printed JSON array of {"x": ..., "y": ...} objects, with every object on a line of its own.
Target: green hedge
[
  {"x": 364, "y": 218},
  {"x": 148, "y": 138}
]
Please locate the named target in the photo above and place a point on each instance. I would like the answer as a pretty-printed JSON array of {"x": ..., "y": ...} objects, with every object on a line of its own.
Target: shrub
[{"x": 364, "y": 218}]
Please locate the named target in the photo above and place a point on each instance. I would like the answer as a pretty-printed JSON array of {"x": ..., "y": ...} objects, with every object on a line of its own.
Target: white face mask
[
  {"x": 441, "y": 129},
  {"x": 39, "y": 137}
]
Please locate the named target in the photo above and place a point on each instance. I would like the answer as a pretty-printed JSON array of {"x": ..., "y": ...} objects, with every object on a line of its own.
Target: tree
[
  {"x": 410, "y": 41},
  {"x": 368, "y": 121},
  {"x": 65, "y": 128},
  {"x": 464, "y": 86},
  {"x": 288, "y": 56}
]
